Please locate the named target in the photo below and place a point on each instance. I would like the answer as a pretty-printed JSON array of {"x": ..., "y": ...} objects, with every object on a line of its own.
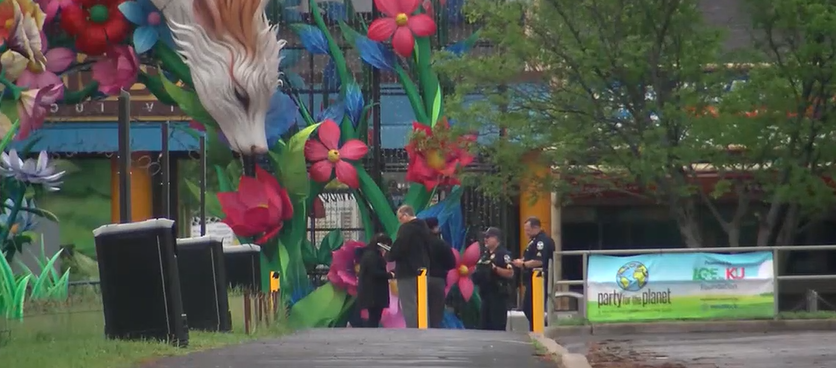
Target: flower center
[
  {"x": 333, "y": 155},
  {"x": 436, "y": 160},
  {"x": 357, "y": 268},
  {"x": 463, "y": 270},
  {"x": 401, "y": 19},
  {"x": 98, "y": 13},
  {"x": 154, "y": 19}
]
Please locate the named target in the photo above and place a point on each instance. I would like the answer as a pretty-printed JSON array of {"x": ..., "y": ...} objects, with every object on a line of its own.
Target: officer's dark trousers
[
  {"x": 494, "y": 311},
  {"x": 527, "y": 303}
]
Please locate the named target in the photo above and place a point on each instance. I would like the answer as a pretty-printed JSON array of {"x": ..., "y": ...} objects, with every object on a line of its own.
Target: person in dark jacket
[
  {"x": 410, "y": 252},
  {"x": 373, "y": 279},
  {"x": 442, "y": 260}
]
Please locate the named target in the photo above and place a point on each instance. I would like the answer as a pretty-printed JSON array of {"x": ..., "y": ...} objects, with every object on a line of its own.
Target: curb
[
  {"x": 655, "y": 328},
  {"x": 562, "y": 356}
]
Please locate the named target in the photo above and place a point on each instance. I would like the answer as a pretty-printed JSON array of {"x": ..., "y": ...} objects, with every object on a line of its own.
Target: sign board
[
  {"x": 215, "y": 227},
  {"x": 680, "y": 286}
]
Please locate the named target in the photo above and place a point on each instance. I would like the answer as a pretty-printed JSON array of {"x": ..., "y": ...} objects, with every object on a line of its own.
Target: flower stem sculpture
[{"x": 219, "y": 61}]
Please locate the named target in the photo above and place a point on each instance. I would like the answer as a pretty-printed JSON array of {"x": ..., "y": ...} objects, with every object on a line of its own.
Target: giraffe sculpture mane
[{"x": 233, "y": 53}]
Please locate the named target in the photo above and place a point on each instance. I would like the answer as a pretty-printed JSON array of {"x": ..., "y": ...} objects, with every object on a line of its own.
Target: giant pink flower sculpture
[
  {"x": 117, "y": 70},
  {"x": 465, "y": 265},
  {"x": 344, "y": 267}
]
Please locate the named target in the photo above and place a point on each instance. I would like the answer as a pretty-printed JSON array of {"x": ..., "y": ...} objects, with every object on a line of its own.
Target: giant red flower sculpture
[
  {"x": 95, "y": 24},
  {"x": 434, "y": 157},
  {"x": 401, "y": 23},
  {"x": 327, "y": 156},
  {"x": 258, "y": 208},
  {"x": 465, "y": 265}
]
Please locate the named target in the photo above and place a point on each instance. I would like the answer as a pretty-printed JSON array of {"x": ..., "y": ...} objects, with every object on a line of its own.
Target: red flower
[
  {"x": 95, "y": 24},
  {"x": 400, "y": 24},
  {"x": 327, "y": 156},
  {"x": 258, "y": 207},
  {"x": 433, "y": 160}
]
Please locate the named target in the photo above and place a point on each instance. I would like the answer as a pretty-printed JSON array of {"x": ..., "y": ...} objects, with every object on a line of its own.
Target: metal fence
[{"x": 555, "y": 282}]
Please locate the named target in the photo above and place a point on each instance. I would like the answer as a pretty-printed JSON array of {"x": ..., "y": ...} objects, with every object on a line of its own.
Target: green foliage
[
  {"x": 47, "y": 284},
  {"x": 12, "y": 291},
  {"x": 293, "y": 170},
  {"x": 321, "y": 308},
  {"x": 630, "y": 92},
  {"x": 314, "y": 256}
]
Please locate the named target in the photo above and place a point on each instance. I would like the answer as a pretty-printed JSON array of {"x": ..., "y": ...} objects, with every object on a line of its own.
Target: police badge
[
  {"x": 540, "y": 245},
  {"x": 507, "y": 259}
]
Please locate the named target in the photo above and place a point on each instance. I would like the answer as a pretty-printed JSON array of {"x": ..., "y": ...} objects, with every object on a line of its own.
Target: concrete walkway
[{"x": 370, "y": 348}]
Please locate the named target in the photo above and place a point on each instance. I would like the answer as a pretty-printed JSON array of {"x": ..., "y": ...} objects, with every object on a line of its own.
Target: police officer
[
  {"x": 537, "y": 254},
  {"x": 493, "y": 276}
]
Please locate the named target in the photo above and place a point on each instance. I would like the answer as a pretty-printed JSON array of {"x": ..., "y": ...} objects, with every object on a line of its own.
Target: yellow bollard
[
  {"x": 423, "y": 316},
  {"x": 274, "y": 282},
  {"x": 537, "y": 301}
]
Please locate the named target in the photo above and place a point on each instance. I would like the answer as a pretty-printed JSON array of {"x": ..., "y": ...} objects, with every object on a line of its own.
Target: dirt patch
[{"x": 617, "y": 354}]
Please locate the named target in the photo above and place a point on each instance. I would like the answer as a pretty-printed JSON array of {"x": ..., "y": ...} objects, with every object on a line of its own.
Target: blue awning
[{"x": 102, "y": 137}]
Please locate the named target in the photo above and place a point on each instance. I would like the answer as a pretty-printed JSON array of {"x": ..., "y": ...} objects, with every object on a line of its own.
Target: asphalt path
[
  {"x": 719, "y": 350},
  {"x": 372, "y": 348}
]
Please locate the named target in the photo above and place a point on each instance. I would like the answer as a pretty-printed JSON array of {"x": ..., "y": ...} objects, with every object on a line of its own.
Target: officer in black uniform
[
  {"x": 537, "y": 254},
  {"x": 493, "y": 276}
]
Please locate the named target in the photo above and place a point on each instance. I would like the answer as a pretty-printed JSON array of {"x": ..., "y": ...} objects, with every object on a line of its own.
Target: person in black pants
[
  {"x": 373, "y": 280},
  {"x": 537, "y": 254},
  {"x": 493, "y": 276},
  {"x": 442, "y": 260}
]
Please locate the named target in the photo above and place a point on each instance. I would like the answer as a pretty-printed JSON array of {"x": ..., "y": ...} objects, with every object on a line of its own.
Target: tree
[
  {"x": 622, "y": 96},
  {"x": 785, "y": 115}
]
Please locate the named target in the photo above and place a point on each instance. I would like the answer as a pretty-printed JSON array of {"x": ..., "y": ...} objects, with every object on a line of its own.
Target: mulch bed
[{"x": 617, "y": 354}]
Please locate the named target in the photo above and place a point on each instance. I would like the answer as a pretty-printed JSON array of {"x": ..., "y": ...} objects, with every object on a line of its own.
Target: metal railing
[{"x": 554, "y": 282}]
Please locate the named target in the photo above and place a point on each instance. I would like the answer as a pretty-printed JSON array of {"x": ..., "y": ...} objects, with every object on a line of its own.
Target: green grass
[
  {"x": 55, "y": 337},
  {"x": 690, "y": 307},
  {"x": 577, "y": 321}
]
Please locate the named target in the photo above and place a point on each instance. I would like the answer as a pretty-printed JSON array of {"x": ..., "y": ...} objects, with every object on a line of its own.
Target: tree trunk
[
  {"x": 789, "y": 227},
  {"x": 685, "y": 213}
]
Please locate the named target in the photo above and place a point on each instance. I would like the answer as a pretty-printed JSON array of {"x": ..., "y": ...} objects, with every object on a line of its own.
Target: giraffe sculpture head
[{"x": 233, "y": 53}]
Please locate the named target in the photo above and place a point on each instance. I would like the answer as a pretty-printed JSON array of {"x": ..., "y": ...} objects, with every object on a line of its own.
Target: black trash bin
[
  {"x": 139, "y": 281},
  {"x": 243, "y": 266},
  {"x": 203, "y": 283}
]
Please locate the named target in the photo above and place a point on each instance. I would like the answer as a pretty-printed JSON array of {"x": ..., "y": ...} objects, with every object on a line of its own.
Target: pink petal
[
  {"x": 471, "y": 255},
  {"x": 457, "y": 256},
  {"x": 315, "y": 151},
  {"x": 466, "y": 288},
  {"x": 347, "y": 174},
  {"x": 381, "y": 29},
  {"x": 422, "y": 25},
  {"x": 403, "y": 42},
  {"x": 329, "y": 134},
  {"x": 26, "y": 79},
  {"x": 59, "y": 59},
  {"x": 354, "y": 149},
  {"x": 452, "y": 279},
  {"x": 321, "y": 171},
  {"x": 390, "y": 8}
]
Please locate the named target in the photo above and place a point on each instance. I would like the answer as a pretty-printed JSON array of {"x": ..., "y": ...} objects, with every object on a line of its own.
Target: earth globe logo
[{"x": 632, "y": 276}]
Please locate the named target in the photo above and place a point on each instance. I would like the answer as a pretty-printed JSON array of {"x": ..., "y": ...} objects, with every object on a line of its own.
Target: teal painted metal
[{"x": 101, "y": 137}]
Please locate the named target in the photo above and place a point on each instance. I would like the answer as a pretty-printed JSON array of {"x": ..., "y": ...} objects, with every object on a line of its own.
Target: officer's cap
[{"x": 493, "y": 231}]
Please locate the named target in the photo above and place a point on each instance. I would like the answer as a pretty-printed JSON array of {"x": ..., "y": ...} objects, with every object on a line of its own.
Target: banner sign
[{"x": 680, "y": 286}]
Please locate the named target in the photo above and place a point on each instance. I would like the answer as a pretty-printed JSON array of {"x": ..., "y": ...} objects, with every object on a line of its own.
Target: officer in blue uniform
[
  {"x": 494, "y": 275},
  {"x": 537, "y": 254}
]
